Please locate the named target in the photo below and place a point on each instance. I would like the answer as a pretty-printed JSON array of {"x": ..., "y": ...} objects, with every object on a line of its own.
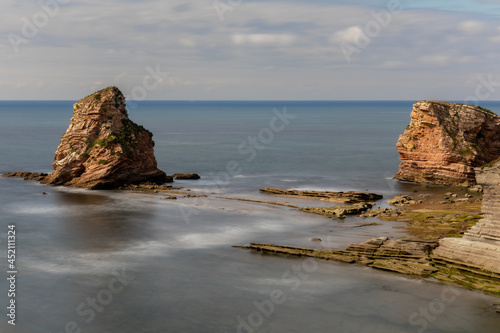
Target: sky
[{"x": 251, "y": 50}]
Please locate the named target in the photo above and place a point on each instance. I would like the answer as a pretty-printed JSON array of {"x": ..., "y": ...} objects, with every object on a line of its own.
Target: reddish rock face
[
  {"x": 102, "y": 148},
  {"x": 445, "y": 141}
]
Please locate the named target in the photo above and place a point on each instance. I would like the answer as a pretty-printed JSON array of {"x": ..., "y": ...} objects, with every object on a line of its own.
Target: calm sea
[{"x": 107, "y": 261}]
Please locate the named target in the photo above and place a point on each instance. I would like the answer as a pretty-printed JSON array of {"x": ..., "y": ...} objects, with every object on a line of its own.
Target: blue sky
[{"x": 251, "y": 50}]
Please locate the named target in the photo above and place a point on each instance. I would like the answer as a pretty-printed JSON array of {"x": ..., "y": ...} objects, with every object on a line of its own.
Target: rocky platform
[
  {"x": 475, "y": 258},
  {"x": 338, "y": 197},
  {"x": 404, "y": 256}
]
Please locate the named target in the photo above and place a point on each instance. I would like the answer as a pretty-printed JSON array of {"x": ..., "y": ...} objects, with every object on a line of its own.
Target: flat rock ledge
[
  {"x": 339, "y": 211},
  {"x": 26, "y": 175},
  {"x": 338, "y": 197},
  {"x": 405, "y": 256},
  {"x": 187, "y": 176}
]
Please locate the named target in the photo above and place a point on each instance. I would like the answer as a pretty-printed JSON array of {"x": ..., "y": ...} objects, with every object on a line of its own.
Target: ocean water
[{"x": 110, "y": 261}]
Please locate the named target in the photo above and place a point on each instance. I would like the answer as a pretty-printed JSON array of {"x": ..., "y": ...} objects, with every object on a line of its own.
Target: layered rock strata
[
  {"x": 404, "y": 256},
  {"x": 103, "y": 148},
  {"x": 339, "y": 197},
  {"x": 477, "y": 254},
  {"x": 445, "y": 141},
  {"x": 339, "y": 211}
]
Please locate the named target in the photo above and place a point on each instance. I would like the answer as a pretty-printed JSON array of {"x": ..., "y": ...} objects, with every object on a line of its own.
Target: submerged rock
[
  {"x": 340, "y": 197},
  {"x": 445, "y": 141},
  {"x": 103, "y": 148}
]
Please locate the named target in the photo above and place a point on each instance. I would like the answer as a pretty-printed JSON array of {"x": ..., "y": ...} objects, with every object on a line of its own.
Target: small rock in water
[
  {"x": 401, "y": 200},
  {"x": 494, "y": 308},
  {"x": 476, "y": 188},
  {"x": 316, "y": 239}
]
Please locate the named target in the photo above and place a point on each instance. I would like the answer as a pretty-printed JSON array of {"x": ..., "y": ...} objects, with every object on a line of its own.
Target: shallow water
[{"x": 179, "y": 270}]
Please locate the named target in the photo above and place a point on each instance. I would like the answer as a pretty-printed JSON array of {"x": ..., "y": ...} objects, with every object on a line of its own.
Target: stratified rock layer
[
  {"x": 103, "y": 148},
  {"x": 404, "y": 256},
  {"x": 445, "y": 141},
  {"x": 479, "y": 250},
  {"x": 340, "y": 197}
]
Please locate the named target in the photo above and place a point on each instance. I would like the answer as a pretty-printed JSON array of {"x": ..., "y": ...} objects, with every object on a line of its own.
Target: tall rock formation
[
  {"x": 103, "y": 148},
  {"x": 445, "y": 141},
  {"x": 478, "y": 252}
]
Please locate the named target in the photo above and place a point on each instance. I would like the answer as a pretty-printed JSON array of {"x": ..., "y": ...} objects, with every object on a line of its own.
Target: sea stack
[
  {"x": 445, "y": 141},
  {"x": 103, "y": 148}
]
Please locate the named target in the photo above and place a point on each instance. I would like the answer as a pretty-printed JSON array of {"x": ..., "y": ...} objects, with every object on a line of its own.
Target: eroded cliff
[{"x": 445, "y": 141}]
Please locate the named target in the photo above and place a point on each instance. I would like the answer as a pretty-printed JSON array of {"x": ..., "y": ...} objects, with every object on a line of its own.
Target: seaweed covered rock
[
  {"x": 445, "y": 141},
  {"x": 103, "y": 148}
]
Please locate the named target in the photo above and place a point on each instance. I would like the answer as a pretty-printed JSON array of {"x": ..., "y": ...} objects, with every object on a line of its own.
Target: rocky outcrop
[
  {"x": 26, "y": 175},
  {"x": 445, "y": 141},
  {"x": 404, "y": 256},
  {"x": 103, "y": 148},
  {"x": 188, "y": 176},
  {"x": 339, "y": 197},
  {"x": 339, "y": 211},
  {"x": 477, "y": 254}
]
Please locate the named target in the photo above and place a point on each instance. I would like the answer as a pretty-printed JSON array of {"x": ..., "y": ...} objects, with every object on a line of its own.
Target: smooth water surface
[{"x": 110, "y": 261}]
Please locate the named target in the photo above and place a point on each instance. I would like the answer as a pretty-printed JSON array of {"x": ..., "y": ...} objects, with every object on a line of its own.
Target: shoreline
[{"x": 426, "y": 218}]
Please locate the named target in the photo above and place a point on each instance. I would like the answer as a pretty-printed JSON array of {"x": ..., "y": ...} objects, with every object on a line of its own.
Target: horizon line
[{"x": 256, "y": 100}]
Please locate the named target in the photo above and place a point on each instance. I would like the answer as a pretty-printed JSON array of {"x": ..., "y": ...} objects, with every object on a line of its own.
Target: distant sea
[{"x": 109, "y": 261}]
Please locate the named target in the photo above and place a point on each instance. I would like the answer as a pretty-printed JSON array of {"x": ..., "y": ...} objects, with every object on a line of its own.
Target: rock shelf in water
[{"x": 339, "y": 197}]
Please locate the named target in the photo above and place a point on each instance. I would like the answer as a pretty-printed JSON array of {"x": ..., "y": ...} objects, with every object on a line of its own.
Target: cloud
[
  {"x": 187, "y": 42},
  {"x": 391, "y": 64},
  {"x": 349, "y": 35},
  {"x": 263, "y": 39},
  {"x": 472, "y": 27},
  {"x": 437, "y": 60},
  {"x": 271, "y": 50}
]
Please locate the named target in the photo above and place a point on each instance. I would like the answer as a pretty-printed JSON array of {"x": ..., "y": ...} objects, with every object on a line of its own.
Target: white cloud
[
  {"x": 119, "y": 77},
  {"x": 349, "y": 35},
  {"x": 472, "y": 27},
  {"x": 263, "y": 39},
  {"x": 187, "y": 42},
  {"x": 437, "y": 60},
  {"x": 280, "y": 41}
]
